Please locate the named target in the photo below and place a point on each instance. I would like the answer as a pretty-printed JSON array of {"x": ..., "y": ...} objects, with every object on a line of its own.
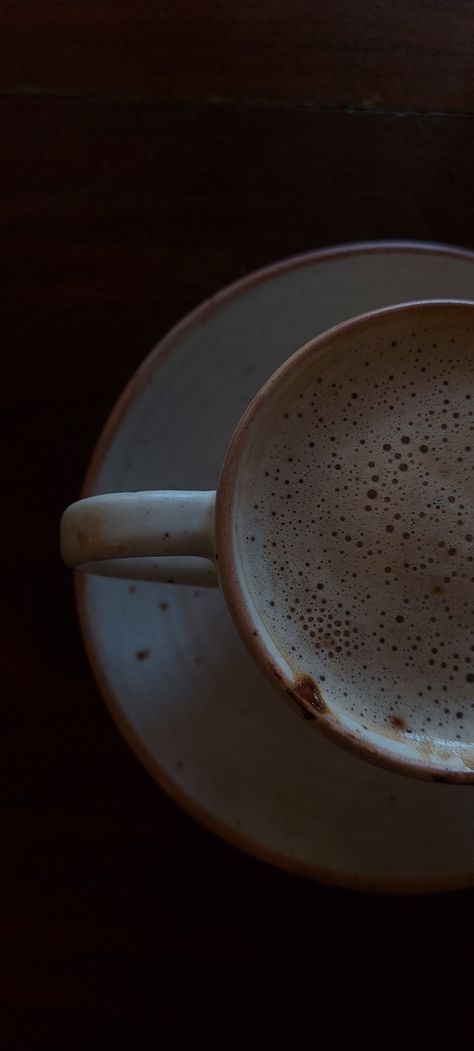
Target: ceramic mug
[{"x": 340, "y": 533}]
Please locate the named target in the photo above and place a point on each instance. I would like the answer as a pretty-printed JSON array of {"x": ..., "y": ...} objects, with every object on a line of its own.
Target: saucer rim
[{"x": 133, "y": 388}]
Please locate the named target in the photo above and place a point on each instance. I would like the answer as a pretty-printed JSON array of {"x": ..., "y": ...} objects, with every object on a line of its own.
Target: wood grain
[
  {"x": 373, "y": 54},
  {"x": 124, "y": 208}
]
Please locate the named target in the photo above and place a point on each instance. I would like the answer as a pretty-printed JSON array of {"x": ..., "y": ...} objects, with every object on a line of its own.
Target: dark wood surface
[{"x": 152, "y": 152}]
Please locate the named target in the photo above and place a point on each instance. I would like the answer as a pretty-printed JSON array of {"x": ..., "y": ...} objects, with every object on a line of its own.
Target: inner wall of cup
[{"x": 352, "y": 531}]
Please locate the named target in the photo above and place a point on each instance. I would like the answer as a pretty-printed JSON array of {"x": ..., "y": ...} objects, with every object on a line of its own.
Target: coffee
[{"x": 356, "y": 523}]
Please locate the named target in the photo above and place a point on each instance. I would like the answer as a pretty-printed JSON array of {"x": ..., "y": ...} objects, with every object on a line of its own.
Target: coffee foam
[{"x": 356, "y": 530}]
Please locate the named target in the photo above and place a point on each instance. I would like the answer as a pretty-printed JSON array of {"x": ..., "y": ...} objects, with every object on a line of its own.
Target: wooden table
[{"x": 151, "y": 153}]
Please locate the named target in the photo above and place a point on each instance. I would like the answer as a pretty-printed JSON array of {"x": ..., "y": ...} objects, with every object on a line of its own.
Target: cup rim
[{"x": 305, "y": 695}]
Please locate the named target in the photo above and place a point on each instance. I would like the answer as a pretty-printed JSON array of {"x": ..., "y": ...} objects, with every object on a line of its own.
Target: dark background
[{"x": 151, "y": 153}]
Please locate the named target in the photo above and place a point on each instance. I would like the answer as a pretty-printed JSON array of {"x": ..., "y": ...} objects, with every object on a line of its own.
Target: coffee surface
[{"x": 356, "y": 530}]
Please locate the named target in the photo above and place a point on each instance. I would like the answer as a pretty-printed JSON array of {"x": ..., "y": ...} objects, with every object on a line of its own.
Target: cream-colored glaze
[
  {"x": 198, "y": 712},
  {"x": 354, "y": 707},
  {"x": 136, "y": 535}
]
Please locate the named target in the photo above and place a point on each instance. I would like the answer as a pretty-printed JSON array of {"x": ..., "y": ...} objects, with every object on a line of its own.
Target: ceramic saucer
[{"x": 184, "y": 692}]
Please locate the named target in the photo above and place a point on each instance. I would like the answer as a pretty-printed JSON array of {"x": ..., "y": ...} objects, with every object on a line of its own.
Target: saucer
[{"x": 180, "y": 685}]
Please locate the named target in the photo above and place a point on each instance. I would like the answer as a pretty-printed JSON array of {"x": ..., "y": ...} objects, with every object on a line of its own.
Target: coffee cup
[{"x": 341, "y": 534}]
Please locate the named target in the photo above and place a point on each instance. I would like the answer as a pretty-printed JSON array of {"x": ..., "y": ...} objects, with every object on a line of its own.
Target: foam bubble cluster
[{"x": 357, "y": 533}]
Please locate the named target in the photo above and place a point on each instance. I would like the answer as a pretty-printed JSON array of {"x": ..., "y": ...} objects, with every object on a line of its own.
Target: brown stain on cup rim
[
  {"x": 397, "y": 722},
  {"x": 308, "y": 697}
]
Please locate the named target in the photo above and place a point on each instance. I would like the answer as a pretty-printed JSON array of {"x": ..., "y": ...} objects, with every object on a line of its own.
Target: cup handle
[{"x": 166, "y": 535}]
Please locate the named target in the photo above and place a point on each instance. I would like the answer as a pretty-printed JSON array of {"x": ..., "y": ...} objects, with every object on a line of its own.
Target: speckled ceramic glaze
[{"x": 177, "y": 679}]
